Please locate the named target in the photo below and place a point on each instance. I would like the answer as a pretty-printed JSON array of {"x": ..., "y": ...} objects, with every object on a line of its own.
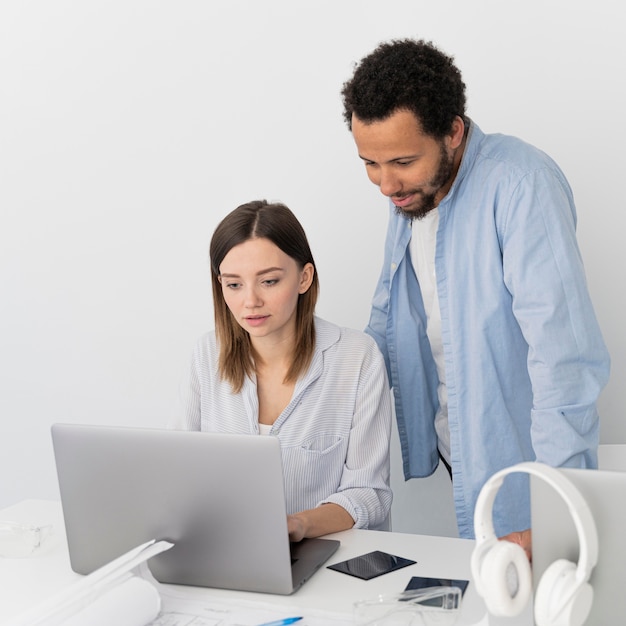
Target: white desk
[{"x": 26, "y": 582}]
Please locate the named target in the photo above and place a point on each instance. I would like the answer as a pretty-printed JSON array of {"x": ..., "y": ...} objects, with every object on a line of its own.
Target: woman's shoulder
[
  {"x": 330, "y": 334},
  {"x": 352, "y": 353},
  {"x": 206, "y": 346}
]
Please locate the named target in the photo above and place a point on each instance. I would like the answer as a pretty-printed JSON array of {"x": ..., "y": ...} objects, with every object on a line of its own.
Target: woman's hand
[
  {"x": 322, "y": 520},
  {"x": 296, "y": 528}
]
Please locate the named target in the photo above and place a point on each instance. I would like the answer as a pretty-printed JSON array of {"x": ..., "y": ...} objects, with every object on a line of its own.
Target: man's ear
[{"x": 458, "y": 132}]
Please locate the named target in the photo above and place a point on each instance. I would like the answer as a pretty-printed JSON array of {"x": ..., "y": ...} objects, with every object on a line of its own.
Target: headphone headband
[
  {"x": 577, "y": 505},
  {"x": 564, "y": 595}
]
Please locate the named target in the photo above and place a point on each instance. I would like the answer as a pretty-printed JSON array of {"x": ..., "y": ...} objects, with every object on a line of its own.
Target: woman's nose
[{"x": 252, "y": 298}]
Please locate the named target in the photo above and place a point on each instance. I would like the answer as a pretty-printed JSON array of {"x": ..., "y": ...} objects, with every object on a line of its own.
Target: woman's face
[{"x": 261, "y": 285}]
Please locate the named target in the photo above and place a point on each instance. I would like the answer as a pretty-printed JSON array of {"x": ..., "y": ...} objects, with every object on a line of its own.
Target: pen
[{"x": 282, "y": 622}]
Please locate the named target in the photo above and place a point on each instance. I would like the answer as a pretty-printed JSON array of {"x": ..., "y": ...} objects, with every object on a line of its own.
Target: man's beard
[{"x": 427, "y": 204}]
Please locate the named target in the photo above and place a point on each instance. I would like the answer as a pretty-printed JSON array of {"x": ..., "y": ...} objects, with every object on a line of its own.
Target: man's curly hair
[{"x": 406, "y": 74}]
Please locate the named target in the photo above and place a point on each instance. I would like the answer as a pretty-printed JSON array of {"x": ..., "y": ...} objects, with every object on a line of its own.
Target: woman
[{"x": 272, "y": 368}]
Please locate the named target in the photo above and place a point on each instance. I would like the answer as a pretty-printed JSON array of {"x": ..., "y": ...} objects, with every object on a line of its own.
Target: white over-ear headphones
[{"x": 501, "y": 570}]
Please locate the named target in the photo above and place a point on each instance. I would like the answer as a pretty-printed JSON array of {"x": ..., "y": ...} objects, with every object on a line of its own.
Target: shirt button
[{"x": 393, "y": 266}]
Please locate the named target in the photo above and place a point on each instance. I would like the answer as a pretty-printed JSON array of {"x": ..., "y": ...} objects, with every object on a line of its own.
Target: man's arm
[{"x": 568, "y": 363}]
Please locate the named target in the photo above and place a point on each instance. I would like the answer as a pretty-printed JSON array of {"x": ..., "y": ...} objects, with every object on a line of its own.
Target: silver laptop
[
  {"x": 555, "y": 536},
  {"x": 218, "y": 497}
]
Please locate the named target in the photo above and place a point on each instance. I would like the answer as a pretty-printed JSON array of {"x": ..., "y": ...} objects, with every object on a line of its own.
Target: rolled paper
[{"x": 133, "y": 602}]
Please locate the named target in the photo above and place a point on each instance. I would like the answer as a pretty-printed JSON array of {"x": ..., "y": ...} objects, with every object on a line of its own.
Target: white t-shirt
[{"x": 423, "y": 247}]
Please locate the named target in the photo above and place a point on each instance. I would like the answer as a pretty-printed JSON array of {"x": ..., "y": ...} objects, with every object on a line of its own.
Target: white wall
[{"x": 129, "y": 128}]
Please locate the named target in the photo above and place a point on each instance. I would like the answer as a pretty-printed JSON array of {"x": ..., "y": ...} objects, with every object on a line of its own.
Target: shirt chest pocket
[{"x": 315, "y": 465}]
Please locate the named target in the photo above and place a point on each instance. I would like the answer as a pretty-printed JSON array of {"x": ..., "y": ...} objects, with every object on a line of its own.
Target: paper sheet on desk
[
  {"x": 179, "y": 608},
  {"x": 186, "y": 612},
  {"x": 110, "y": 595}
]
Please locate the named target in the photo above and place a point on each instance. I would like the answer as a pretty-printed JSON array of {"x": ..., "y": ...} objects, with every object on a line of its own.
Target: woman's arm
[
  {"x": 322, "y": 520},
  {"x": 363, "y": 491}
]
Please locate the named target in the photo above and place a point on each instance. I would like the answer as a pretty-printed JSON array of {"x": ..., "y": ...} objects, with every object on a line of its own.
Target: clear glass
[
  {"x": 19, "y": 539},
  {"x": 435, "y": 606}
]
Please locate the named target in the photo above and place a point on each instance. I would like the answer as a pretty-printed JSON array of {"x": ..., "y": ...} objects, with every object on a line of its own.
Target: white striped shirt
[{"x": 334, "y": 433}]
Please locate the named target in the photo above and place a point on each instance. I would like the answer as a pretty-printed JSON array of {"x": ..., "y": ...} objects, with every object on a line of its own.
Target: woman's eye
[
  {"x": 233, "y": 285},
  {"x": 270, "y": 281}
]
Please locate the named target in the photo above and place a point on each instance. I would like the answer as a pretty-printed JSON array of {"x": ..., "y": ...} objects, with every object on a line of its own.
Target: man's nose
[{"x": 389, "y": 183}]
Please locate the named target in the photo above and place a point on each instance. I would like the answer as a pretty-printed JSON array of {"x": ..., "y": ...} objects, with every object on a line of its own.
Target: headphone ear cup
[
  {"x": 552, "y": 606},
  {"x": 505, "y": 579}
]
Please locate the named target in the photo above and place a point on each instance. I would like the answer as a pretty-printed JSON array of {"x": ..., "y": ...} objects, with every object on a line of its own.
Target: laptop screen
[{"x": 218, "y": 497}]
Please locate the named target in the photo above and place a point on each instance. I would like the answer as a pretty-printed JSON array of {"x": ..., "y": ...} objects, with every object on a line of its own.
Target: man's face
[{"x": 413, "y": 169}]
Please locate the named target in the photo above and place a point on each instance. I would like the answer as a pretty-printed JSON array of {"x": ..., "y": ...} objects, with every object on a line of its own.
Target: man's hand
[{"x": 522, "y": 538}]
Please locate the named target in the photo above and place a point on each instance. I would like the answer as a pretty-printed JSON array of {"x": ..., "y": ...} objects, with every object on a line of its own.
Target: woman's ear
[{"x": 306, "y": 278}]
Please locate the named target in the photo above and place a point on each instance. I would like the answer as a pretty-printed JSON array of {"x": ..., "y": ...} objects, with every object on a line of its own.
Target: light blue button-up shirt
[{"x": 524, "y": 357}]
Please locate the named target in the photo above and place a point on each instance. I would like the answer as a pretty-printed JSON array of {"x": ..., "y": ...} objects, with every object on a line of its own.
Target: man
[{"x": 482, "y": 310}]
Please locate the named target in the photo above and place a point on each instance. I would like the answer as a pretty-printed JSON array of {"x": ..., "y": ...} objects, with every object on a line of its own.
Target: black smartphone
[
  {"x": 372, "y": 564},
  {"x": 420, "y": 582}
]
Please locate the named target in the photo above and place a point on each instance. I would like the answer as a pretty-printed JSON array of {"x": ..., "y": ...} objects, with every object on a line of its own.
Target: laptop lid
[
  {"x": 218, "y": 497},
  {"x": 555, "y": 536},
  {"x": 612, "y": 456}
]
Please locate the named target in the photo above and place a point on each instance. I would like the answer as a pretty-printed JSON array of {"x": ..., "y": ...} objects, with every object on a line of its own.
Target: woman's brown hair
[{"x": 260, "y": 220}]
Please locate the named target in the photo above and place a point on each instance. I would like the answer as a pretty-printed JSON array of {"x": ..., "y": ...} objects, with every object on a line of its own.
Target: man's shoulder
[{"x": 508, "y": 151}]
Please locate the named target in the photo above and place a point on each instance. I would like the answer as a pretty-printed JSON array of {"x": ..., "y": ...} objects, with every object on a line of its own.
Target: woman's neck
[
  {"x": 274, "y": 391},
  {"x": 272, "y": 354}
]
